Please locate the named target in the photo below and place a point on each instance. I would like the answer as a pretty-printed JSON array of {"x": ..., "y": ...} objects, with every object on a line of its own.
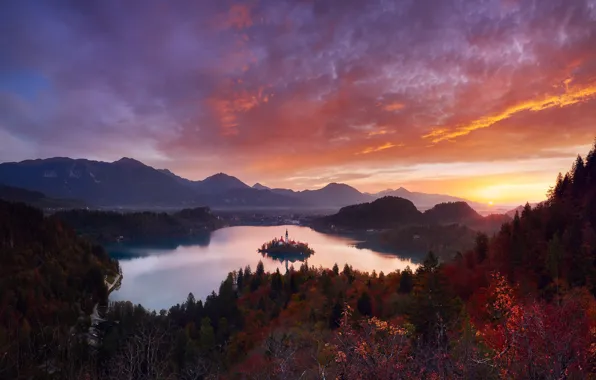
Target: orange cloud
[
  {"x": 570, "y": 97},
  {"x": 379, "y": 132},
  {"x": 393, "y": 107},
  {"x": 379, "y": 148},
  {"x": 227, "y": 110}
]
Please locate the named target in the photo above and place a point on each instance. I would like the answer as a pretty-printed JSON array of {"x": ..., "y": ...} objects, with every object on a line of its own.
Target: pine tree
[
  {"x": 406, "y": 281},
  {"x": 364, "y": 304},
  {"x": 260, "y": 269},
  {"x": 556, "y": 192},
  {"x": 240, "y": 280},
  {"x": 553, "y": 256},
  {"x": 207, "y": 334},
  {"x": 430, "y": 263},
  {"x": 579, "y": 177},
  {"x": 433, "y": 308},
  {"x": 591, "y": 165},
  {"x": 335, "y": 269},
  {"x": 346, "y": 271},
  {"x": 276, "y": 282}
]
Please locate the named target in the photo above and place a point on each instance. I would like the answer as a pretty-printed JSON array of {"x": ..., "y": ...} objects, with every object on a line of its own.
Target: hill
[
  {"x": 393, "y": 212},
  {"x": 461, "y": 213},
  {"x": 110, "y": 226},
  {"x": 219, "y": 183},
  {"x": 36, "y": 199},
  {"x": 425, "y": 201},
  {"x": 385, "y": 212},
  {"x": 451, "y": 212},
  {"x": 49, "y": 279}
]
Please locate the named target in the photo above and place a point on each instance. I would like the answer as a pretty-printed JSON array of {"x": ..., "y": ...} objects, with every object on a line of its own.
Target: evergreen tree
[
  {"x": 276, "y": 282},
  {"x": 364, "y": 304},
  {"x": 430, "y": 264},
  {"x": 260, "y": 269},
  {"x": 556, "y": 192},
  {"x": 335, "y": 269},
  {"x": 207, "y": 335},
  {"x": 578, "y": 176},
  {"x": 190, "y": 304},
  {"x": 347, "y": 271},
  {"x": 553, "y": 256},
  {"x": 247, "y": 273},
  {"x": 433, "y": 308},
  {"x": 240, "y": 280},
  {"x": 406, "y": 281},
  {"x": 591, "y": 166}
]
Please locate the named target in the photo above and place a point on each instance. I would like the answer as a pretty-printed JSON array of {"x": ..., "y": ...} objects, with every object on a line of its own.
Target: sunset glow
[{"x": 487, "y": 101}]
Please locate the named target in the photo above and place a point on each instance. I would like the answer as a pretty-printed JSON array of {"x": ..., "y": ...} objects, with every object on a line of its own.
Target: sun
[{"x": 490, "y": 203}]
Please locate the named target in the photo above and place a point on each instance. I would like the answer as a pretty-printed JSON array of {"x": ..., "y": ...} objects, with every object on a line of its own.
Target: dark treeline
[
  {"x": 49, "y": 278},
  {"x": 111, "y": 226},
  {"x": 518, "y": 305},
  {"x": 36, "y": 199}
]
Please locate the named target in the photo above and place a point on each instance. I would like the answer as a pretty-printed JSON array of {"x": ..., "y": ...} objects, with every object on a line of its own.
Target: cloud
[
  {"x": 264, "y": 88},
  {"x": 379, "y": 148},
  {"x": 570, "y": 97}
]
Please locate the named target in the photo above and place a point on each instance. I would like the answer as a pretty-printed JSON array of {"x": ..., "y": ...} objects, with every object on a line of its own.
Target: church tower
[{"x": 287, "y": 239}]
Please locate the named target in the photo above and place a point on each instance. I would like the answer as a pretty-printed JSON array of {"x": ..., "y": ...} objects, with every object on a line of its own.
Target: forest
[
  {"x": 111, "y": 226},
  {"x": 518, "y": 305}
]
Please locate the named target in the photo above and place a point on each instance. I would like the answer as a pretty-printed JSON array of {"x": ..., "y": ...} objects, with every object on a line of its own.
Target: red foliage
[{"x": 533, "y": 339}]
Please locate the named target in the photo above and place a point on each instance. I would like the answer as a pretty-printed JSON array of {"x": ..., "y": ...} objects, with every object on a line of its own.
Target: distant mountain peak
[
  {"x": 221, "y": 182},
  {"x": 336, "y": 185},
  {"x": 129, "y": 161},
  {"x": 258, "y": 186},
  {"x": 219, "y": 175}
]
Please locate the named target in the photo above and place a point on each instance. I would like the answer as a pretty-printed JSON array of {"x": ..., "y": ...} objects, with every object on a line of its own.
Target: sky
[{"x": 484, "y": 99}]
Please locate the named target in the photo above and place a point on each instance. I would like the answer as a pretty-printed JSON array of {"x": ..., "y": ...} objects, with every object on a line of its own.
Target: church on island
[{"x": 284, "y": 245}]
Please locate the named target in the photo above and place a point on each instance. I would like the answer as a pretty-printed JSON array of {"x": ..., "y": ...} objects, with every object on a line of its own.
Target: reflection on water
[{"x": 158, "y": 276}]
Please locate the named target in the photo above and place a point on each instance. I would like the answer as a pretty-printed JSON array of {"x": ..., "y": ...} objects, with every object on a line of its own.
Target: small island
[{"x": 282, "y": 247}]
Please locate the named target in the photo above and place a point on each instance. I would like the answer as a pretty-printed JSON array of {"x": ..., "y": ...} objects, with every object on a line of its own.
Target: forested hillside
[
  {"x": 36, "y": 199},
  {"x": 48, "y": 279},
  {"x": 112, "y": 226},
  {"x": 519, "y": 305}
]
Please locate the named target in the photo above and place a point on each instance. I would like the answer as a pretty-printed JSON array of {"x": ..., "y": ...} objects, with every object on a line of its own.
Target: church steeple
[{"x": 287, "y": 239}]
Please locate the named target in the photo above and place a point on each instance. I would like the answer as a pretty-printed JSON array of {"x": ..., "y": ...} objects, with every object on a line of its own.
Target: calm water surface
[{"x": 160, "y": 276}]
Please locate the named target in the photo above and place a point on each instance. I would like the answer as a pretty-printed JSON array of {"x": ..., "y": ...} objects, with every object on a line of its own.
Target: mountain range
[{"x": 130, "y": 183}]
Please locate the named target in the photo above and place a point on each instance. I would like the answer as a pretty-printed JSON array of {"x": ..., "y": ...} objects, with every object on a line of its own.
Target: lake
[{"x": 160, "y": 276}]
